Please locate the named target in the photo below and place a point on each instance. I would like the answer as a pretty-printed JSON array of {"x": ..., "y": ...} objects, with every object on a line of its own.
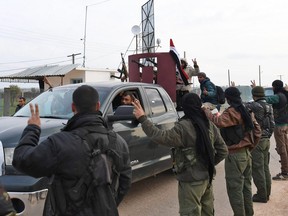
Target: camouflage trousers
[
  {"x": 195, "y": 198},
  {"x": 238, "y": 174},
  {"x": 260, "y": 168},
  {"x": 281, "y": 138}
]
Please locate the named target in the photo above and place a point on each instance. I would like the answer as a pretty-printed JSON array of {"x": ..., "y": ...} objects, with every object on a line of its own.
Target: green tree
[{"x": 15, "y": 92}]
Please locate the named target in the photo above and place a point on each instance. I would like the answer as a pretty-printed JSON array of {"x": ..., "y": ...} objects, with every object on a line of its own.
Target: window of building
[{"x": 74, "y": 81}]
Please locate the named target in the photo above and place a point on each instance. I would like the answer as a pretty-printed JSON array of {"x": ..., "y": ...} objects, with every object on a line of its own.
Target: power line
[
  {"x": 35, "y": 66},
  {"x": 3, "y": 63}
]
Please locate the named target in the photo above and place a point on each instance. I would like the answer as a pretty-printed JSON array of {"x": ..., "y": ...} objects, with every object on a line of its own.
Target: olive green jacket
[{"x": 183, "y": 135}]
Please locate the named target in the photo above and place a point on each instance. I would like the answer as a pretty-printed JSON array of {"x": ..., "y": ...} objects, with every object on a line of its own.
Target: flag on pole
[{"x": 181, "y": 75}]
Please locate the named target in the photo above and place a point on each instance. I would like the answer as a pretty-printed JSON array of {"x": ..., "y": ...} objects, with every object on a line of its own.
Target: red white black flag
[{"x": 180, "y": 73}]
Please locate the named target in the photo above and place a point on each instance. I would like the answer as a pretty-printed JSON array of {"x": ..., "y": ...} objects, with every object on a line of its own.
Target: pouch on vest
[
  {"x": 186, "y": 167},
  {"x": 183, "y": 158}
]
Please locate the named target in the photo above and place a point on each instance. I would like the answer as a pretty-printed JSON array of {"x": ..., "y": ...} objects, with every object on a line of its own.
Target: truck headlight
[{"x": 8, "y": 152}]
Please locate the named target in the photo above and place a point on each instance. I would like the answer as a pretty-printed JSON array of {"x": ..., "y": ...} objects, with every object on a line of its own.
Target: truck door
[
  {"x": 141, "y": 150},
  {"x": 163, "y": 115}
]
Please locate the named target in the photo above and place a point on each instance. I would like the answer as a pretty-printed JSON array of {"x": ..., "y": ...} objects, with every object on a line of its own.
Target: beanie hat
[
  {"x": 232, "y": 93},
  {"x": 258, "y": 91},
  {"x": 277, "y": 84},
  {"x": 201, "y": 74}
]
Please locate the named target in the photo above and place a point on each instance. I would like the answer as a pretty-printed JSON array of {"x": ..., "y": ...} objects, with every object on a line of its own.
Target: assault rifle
[
  {"x": 122, "y": 71},
  {"x": 138, "y": 63},
  {"x": 152, "y": 61}
]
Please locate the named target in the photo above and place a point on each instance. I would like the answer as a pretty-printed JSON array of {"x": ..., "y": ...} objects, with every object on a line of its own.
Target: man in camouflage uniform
[
  {"x": 198, "y": 147},
  {"x": 279, "y": 103},
  {"x": 241, "y": 132},
  {"x": 260, "y": 154}
]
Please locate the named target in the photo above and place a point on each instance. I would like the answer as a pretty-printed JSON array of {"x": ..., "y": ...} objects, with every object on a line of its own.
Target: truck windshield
[{"x": 55, "y": 103}]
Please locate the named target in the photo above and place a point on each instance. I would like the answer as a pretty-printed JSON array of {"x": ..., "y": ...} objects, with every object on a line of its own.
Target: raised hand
[
  {"x": 194, "y": 61},
  {"x": 138, "y": 110},
  {"x": 253, "y": 83},
  {"x": 34, "y": 119}
]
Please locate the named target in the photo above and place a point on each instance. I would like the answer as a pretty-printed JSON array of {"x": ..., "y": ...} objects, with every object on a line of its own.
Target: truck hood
[{"x": 11, "y": 129}]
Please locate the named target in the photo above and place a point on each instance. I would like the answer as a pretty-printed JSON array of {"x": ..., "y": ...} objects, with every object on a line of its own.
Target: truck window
[{"x": 155, "y": 101}]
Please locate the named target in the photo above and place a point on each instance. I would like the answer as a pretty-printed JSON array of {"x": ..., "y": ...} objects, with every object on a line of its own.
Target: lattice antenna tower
[{"x": 148, "y": 28}]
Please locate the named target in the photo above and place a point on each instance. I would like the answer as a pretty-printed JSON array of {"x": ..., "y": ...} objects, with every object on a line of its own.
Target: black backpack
[
  {"x": 102, "y": 170},
  {"x": 220, "y": 95},
  {"x": 267, "y": 123}
]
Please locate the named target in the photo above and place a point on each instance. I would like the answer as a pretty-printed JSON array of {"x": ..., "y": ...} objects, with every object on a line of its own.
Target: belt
[{"x": 243, "y": 149}]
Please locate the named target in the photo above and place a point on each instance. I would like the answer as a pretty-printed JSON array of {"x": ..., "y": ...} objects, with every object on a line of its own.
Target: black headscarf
[
  {"x": 233, "y": 97},
  {"x": 192, "y": 109},
  {"x": 279, "y": 88}
]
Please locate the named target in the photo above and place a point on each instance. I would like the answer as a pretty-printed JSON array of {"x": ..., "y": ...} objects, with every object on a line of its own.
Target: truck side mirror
[{"x": 122, "y": 113}]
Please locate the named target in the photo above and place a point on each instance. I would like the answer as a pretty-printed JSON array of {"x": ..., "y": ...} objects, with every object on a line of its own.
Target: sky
[{"x": 243, "y": 38}]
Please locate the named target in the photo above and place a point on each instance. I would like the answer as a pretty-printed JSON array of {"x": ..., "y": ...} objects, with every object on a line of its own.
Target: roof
[{"x": 40, "y": 72}]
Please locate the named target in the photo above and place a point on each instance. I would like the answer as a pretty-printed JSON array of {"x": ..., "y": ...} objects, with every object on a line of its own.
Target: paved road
[{"x": 157, "y": 196}]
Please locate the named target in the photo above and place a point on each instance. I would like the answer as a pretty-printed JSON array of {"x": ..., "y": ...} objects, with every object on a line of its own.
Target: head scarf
[
  {"x": 233, "y": 97},
  {"x": 278, "y": 86},
  {"x": 192, "y": 109}
]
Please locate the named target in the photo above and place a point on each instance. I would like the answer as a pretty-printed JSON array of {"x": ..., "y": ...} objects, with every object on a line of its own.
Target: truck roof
[{"x": 107, "y": 84}]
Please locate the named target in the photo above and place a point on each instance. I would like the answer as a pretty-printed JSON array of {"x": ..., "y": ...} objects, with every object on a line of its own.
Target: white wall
[{"x": 87, "y": 75}]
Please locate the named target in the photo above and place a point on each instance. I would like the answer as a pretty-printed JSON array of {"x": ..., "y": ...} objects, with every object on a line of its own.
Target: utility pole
[
  {"x": 228, "y": 77},
  {"x": 73, "y": 57},
  {"x": 85, "y": 30},
  {"x": 280, "y": 75},
  {"x": 259, "y": 75},
  {"x": 84, "y": 39}
]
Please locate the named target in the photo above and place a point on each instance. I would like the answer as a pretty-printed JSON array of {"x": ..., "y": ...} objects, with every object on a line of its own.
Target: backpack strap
[
  {"x": 109, "y": 150},
  {"x": 84, "y": 132},
  {"x": 268, "y": 117}
]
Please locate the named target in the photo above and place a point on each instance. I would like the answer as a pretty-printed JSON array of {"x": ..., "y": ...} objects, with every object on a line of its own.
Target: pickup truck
[{"x": 147, "y": 158}]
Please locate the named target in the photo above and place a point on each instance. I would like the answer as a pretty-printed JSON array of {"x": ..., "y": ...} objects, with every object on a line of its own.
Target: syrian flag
[{"x": 180, "y": 73}]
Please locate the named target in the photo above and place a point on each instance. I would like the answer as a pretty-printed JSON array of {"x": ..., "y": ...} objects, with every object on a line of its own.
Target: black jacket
[{"x": 62, "y": 155}]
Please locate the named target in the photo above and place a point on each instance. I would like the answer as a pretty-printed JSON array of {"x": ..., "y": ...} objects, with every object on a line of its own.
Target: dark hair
[
  {"x": 126, "y": 93},
  {"x": 23, "y": 98},
  {"x": 202, "y": 74},
  {"x": 184, "y": 62},
  {"x": 85, "y": 99}
]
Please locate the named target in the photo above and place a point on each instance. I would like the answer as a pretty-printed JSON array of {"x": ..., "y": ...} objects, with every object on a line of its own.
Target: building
[{"x": 60, "y": 75}]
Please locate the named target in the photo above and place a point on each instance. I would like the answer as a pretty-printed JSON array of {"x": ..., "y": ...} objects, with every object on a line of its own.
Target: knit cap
[{"x": 258, "y": 91}]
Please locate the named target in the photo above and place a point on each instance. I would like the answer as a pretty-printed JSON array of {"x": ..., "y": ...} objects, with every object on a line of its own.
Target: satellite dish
[
  {"x": 158, "y": 41},
  {"x": 136, "y": 30}
]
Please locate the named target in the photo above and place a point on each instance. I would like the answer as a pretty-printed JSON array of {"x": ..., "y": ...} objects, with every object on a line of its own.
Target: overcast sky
[{"x": 234, "y": 35}]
